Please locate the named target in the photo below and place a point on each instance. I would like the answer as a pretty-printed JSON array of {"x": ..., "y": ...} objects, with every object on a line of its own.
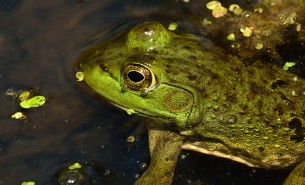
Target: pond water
[{"x": 38, "y": 43}]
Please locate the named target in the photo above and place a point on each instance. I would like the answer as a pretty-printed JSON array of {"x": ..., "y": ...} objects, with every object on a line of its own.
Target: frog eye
[{"x": 138, "y": 78}]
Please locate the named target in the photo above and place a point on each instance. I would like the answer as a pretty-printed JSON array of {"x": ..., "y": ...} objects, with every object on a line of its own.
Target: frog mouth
[
  {"x": 167, "y": 103},
  {"x": 131, "y": 111}
]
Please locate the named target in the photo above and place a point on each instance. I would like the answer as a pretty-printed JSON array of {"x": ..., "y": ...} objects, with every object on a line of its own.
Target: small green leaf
[
  {"x": 288, "y": 65},
  {"x": 75, "y": 166},
  {"x": 36, "y": 101}
]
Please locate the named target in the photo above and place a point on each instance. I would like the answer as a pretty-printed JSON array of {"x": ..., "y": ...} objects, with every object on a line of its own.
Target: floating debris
[
  {"x": 131, "y": 139},
  {"x": 212, "y": 5},
  {"x": 288, "y": 65},
  {"x": 130, "y": 111},
  {"x": 298, "y": 27},
  {"x": 219, "y": 12},
  {"x": 217, "y": 9},
  {"x": 231, "y": 37},
  {"x": 19, "y": 115},
  {"x": 80, "y": 76},
  {"x": 11, "y": 92},
  {"x": 259, "y": 46},
  {"x": 172, "y": 26}
]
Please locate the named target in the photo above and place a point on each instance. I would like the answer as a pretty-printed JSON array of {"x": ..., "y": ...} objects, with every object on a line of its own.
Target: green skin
[{"x": 200, "y": 99}]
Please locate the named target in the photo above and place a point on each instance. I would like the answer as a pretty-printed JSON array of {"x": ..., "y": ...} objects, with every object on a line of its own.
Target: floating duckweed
[
  {"x": 231, "y": 37},
  {"x": 28, "y": 183},
  {"x": 246, "y": 31},
  {"x": 235, "y": 8},
  {"x": 259, "y": 10},
  {"x": 130, "y": 111},
  {"x": 24, "y": 95},
  {"x": 172, "y": 26},
  {"x": 238, "y": 11},
  {"x": 298, "y": 27},
  {"x": 288, "y": 65},
  {"x": 131, "y": 139},
  {"x": 18, "y": 115},
  {"x": 219, "y": 12},
  {"x": 75, "y": 166},
  {"x": 259, "y": 46},
  {"x": 80, "y": 76},
  {"x": 212, "y": 5},
  {"x": 217, "y": 9},
  {"x": 36, "y": 101}
]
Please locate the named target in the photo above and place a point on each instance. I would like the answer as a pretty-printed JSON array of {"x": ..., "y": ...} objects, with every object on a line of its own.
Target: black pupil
[{"x": 135, "y": 76}]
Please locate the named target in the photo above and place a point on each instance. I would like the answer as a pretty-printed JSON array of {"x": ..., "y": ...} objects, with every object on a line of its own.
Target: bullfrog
[{"x": 197, "y": 97}]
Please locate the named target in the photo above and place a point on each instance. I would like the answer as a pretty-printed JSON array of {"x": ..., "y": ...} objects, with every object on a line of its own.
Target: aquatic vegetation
[
  {"x": 36, "y": 101},
  {"x": 79, "y": 76},
  {"x": 19, "y": 115},
  {"x": 260, "y": 29}
]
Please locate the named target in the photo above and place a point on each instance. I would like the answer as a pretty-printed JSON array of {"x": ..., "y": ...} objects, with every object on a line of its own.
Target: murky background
[{"x": 38, "y": 43}]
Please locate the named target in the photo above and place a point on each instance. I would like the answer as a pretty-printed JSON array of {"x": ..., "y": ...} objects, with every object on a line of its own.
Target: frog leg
[
  {"x": 165, "y": 147},
  {"x": 297, "y": 176}
]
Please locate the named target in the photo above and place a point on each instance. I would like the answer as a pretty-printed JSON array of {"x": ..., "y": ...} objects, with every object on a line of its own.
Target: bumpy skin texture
[{"x": 252, "y": 113}]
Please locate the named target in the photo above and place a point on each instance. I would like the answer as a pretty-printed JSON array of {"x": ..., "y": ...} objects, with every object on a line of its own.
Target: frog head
[{"x": 137, "y": 72}]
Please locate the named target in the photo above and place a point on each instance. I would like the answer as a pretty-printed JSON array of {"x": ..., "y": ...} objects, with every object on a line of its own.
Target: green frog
[{"x": 197, "y": 97}]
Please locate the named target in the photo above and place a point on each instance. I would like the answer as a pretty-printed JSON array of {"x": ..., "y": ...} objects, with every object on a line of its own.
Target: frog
[{"x": 195, "y": 96}]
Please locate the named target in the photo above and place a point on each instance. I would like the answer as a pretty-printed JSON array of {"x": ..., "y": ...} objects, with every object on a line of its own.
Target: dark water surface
[{"x": 38, "y": 40}]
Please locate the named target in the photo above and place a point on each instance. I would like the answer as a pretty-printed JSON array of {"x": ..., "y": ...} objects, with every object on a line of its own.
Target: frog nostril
[
  {"x": 104, "y": 68},
  {"x": 135, "y": 76}
]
